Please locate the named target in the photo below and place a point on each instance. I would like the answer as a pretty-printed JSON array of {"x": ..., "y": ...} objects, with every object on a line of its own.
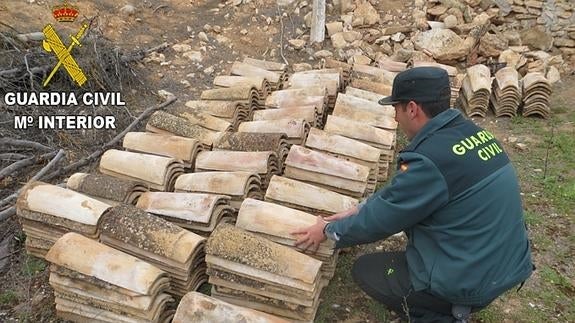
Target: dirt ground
[{"x": 246, "y": 31}]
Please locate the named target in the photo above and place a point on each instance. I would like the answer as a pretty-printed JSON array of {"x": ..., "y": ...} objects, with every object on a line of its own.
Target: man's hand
[
  {"x": 311, "y": 236},
  {"x": 342, "y": 215}
]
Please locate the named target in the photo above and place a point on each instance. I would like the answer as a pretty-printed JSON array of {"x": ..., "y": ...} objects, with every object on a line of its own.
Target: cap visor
[{"x": 387, "y": 101}]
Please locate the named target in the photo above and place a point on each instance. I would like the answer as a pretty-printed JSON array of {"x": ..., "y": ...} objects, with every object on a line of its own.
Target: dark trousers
[{"x": 384, "y": 276}]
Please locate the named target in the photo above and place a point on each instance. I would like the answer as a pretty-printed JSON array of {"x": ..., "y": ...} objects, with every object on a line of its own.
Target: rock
[
  {"x": 386, "y": 49},
  {"x": 203, "y": 37},
  {"x": 338, "y": 40},
  {"x": 208, "y": 28},
  {"x": 334, "y": 27},
  {"x": 236, "y": 2},
  {"x": 307, "y": 20},
  {"x": 437, "y": 10},
  {"x": 297, "y": 43},
  {"x": 512, "y": 58},
  {"x": 553, "y": 75},
  {"x": 165, "y": 94},
  {"x": 420, "y": 20},
  {"x": 437, "y": 41},
  {"x": 521, "y": 146},
  {"x": 450, "y": 21},
  {"x": 564, "y": 42},
  {"x": 402, "y": 55},
  {"x": 504, "y": 6},
  {"x": 398, "y": 37},
  {"x": 209, "y": 70},
  {"x": 284, "y": 3},
  {"x": 396, "y": 29},
  {"x": 217, "y": 29},
  {"x": 128, "y": 10},
  {"x": 491, "y": 46},
  {"x": 323, "y": 54},
  {"x": 436, "y": 24},
  {"x": 244, "y": 32},
  {"x": 300, "y": 67},
  {"x": 351, "y": 36},
  {"x": 534, "y": 4},
  {"x": 359, "y": 59},
  {"x": 513, "y": 37},
  {"x": 381, "y": 40},
  {"x": 365, "y": 14},
  {"x": 193, "y": 55},
  {"x": 537, "y": 39},
  {"x": 180, "y": 48}
]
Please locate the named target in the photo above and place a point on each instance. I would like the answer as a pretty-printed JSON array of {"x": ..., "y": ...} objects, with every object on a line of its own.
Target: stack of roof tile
[
  {"x": 164, "y": 123},
  {"x": 506, "y": 94},
  {"x": 329, "y": 79},
  {"x": 344, "y": 69},
  {"x": 247, "y": 95},
  {"x": 108, "y": 189},
  {"x": 260, "y": 83},
  {"x": 157, "y": 172},
  {"x": 378, "y": 76},
  {"x": 237, "y": 185},
  {"x": 180, "y": 148},
  {"x": 307, "y": 197},
  {"x": 251, "y": 271},
  {"x": 347, "y": 149},
  {"x": 276, "y": 222},
  {"x": 47, "y": 212},
  {"x": 364, "y": 94},
  {"x": 196, "y": 212},
  {"x": 311, "y": 96},
  {"x": 371, "y": 86},
  {"x": 309, "y": 113},
  {"x": 176, "y": 251},
  {"x": 263, "y": 163},
  {"x": 275, "y": 78},
  {"x": 199, "y": 308},
  {"x": 95, "y": 283},
  {"x": 295, "y": 129},
  {"x": 233, "y": 112},
  {"x": 366, "y": 111},
  {"x": 536, "y": 95},
  {"x": 278, "y": 68},
  {"x": 475, "y": 91},
  {"x": 327, "y": 171},
  {"x": 381, "y": 139},
  {"x": 255, "y": 141}
]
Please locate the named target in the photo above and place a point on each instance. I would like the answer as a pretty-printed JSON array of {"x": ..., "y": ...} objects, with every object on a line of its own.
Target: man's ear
[{"x": 413, "y": 109}]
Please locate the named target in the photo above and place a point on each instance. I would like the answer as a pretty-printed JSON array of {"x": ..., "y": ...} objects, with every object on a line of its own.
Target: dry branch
[
  {"x": 12, "y": 210},
  {"x": 11, "y": 142}
]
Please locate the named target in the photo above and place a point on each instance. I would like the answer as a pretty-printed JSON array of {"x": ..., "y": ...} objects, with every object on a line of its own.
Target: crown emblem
[{"x": 65, "y": 12}]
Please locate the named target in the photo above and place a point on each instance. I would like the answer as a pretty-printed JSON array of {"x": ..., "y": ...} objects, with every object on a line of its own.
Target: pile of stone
[
  {"x": 327, "y": 171},
  {"x": 168, "y": 124},
  {"x": 180, "y": 148},
  {"x": 263, "y": 163},
  {"x": 237, "y": 185},
  {"x": 157, "y": 172},
  {"x": 93, "y": 282},
  {"x": 176, "y": 251},
  {"x": 108, "y": 189},
  {"x": 506, "y": 94},
  {"x": 197, "y": 212},
  {"x": 276, "y": 223},
  {"x": 47, "y": 212},
  {"x": 248, "y": 270},
  {"x": 536, "y": 95}
]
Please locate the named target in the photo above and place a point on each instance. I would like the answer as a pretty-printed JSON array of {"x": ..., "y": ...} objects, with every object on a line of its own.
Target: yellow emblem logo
[{"x": 53, "y": 43}]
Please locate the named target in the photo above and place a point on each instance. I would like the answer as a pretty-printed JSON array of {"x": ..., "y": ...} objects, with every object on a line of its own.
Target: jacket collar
[{"x": 438, "y": 122}]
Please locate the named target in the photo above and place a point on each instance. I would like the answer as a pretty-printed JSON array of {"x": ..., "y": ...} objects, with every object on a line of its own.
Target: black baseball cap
[{"x": 419, "y": 84}]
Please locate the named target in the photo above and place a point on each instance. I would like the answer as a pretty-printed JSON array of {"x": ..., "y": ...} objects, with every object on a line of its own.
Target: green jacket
[{"x": 456, "y": 196}]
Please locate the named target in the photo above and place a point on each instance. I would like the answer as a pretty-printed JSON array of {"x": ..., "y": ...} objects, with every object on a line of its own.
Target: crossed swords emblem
[{"x": 53, "y": 43}]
